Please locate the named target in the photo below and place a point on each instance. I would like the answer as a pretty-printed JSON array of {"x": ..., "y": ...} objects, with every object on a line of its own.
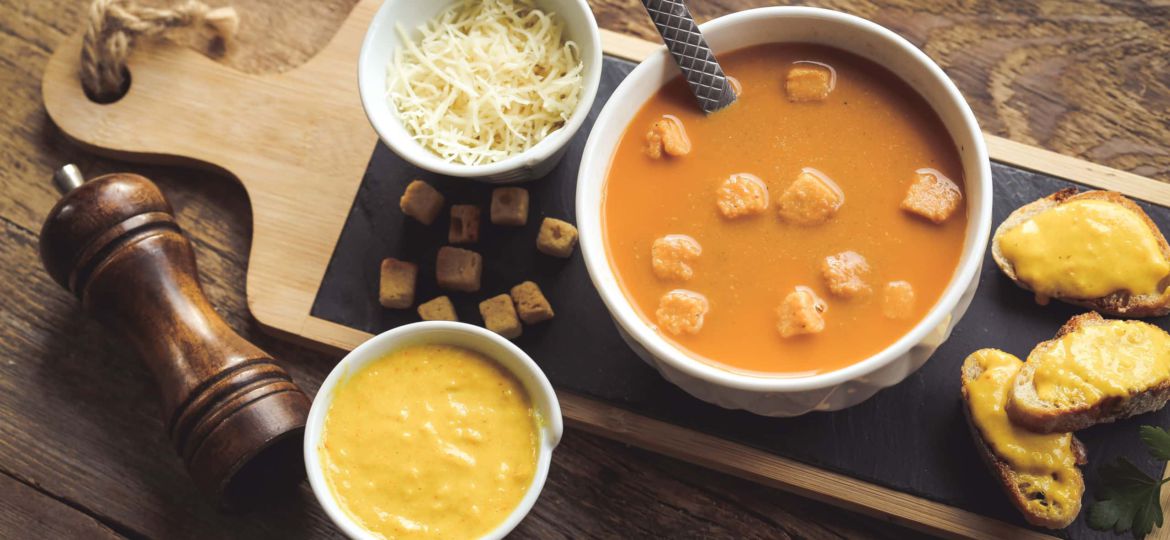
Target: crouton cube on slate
[
  {"x": 396, "y": 289},
  {"x": 421, "y": 202},
  {"x": 509, "y": 206},
  {"x": 556, "y": 238},
  {"x": 811, "y": 200},
  {"x": 898, "y": 300},
  {"x": 741, "y": 195},
  {"x": 801, "y": 312},
  {"x": 499, "y": 316},
  {"x": 932, "y": 196},
  {"x": 671, "y": 257},
  {"x": 667, "y": 134},
  {"x": 681, "y": 312},
  {"x": 531, "y": 304},
  {"x": 809, "y": 81},
  {"x": 846, "y": 274},
  {"x": 458, "y": 269},
  {"x": 438, "y": 309},
  {"x": 464, "y": 224}
]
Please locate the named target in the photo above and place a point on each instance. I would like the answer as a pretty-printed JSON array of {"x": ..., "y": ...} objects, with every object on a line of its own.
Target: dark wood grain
[
  {"x": 23, "y": 508},
  {"x": 82, "y": 440}
]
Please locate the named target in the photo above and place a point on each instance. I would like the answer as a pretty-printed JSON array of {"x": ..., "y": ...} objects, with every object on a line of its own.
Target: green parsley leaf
[
  {"x": 1157, "y": 441},
  {"x": 1129, "y": 500}
]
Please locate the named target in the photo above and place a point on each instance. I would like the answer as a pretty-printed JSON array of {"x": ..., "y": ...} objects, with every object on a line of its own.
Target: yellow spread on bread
[
  {"x": 1045, "y": 463},
  {"x": 1111, "y": 359},
  {"x": 1086, "y": 249}
]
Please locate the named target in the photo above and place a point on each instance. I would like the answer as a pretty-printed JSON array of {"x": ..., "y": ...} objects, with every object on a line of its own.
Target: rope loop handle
[{"x": 114, "y": 25}]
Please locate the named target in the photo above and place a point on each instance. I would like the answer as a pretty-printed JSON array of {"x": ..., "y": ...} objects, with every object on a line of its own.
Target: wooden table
[{"x": 82, "y": 448}]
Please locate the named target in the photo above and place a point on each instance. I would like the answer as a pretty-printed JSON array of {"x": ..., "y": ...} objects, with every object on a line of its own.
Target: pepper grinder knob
[
  {"x": 236, "y": 417},
  {"x": 68, "y": 178}
]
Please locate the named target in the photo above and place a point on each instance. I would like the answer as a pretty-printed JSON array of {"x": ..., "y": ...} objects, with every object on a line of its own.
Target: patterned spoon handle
[{"x": 691, "y": 53}]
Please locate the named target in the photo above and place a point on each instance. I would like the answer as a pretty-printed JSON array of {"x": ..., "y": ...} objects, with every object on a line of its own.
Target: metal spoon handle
[{"x": 691, "y": 53}]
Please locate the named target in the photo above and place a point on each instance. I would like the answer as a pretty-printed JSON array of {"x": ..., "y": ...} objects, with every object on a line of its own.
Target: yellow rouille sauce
[
  {"x": 1114, "y": 359},
  {"x": 1045, "y": 462},
  {"x": 1086, "y": 249},
  {"x": 431, "y": 441}
]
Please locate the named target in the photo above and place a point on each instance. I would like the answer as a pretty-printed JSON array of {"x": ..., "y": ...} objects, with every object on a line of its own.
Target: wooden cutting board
[{"x": 300, "y": 145}]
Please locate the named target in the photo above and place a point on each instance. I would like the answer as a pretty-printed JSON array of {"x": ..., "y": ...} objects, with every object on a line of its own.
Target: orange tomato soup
[{"x": 869, "y": 135}]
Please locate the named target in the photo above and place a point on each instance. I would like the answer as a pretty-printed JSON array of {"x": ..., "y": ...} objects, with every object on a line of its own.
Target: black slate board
[{"x": 910, "y": 437}]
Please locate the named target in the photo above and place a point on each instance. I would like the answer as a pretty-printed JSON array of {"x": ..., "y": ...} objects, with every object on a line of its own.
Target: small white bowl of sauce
[{"x": 429, "y": 430}]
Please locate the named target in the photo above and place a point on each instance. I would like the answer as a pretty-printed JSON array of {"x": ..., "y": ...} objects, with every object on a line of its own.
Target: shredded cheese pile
[{"x": 488, "y": 79}]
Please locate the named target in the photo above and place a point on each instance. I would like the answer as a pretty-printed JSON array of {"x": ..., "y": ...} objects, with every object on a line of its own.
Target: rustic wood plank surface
[
  {"x": 82, "y": 448},
  {"x": 24, "y": 509}
]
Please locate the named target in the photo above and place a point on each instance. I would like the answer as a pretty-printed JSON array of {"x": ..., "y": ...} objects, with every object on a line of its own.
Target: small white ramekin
[
  {"x": 509, "y": 356},
  {"x": 378, "y": 50},
  {"x": 780, "y": 395}
]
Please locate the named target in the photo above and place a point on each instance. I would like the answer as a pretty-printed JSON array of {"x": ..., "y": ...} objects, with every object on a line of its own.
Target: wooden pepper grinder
[{"x": 235, "y": 416}]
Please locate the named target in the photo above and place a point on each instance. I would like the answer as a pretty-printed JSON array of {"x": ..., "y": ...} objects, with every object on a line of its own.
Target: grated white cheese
[{"x": 486, "y": 80}]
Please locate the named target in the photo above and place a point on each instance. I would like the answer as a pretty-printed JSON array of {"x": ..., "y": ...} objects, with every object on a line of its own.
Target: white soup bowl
[{"x": 777, "y": 395}]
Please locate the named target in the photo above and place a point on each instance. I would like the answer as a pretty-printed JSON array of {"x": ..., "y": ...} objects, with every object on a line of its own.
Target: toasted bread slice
[
  {"x": 1121, "y": 303},
  {"x": 1139, "y": 356},
  {"x": 1028, "y": 491}
]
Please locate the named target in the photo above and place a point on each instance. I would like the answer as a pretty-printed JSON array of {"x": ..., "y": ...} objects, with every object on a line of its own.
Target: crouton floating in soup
[
  {"x": 681, "y": 312},
  {"x": 810, "y": 81},
  {"x": 742, "y": 195},
  {"x": 668, "y": 135},
  {"x": 847, "y": 274},
  {"x": 672, "y": 255},
  {"x": 898, "y": 300},
  {"x": 932, "y": 196},
  {"x": 810, "y": 200},
  {"x": 801, "y": 312}
]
